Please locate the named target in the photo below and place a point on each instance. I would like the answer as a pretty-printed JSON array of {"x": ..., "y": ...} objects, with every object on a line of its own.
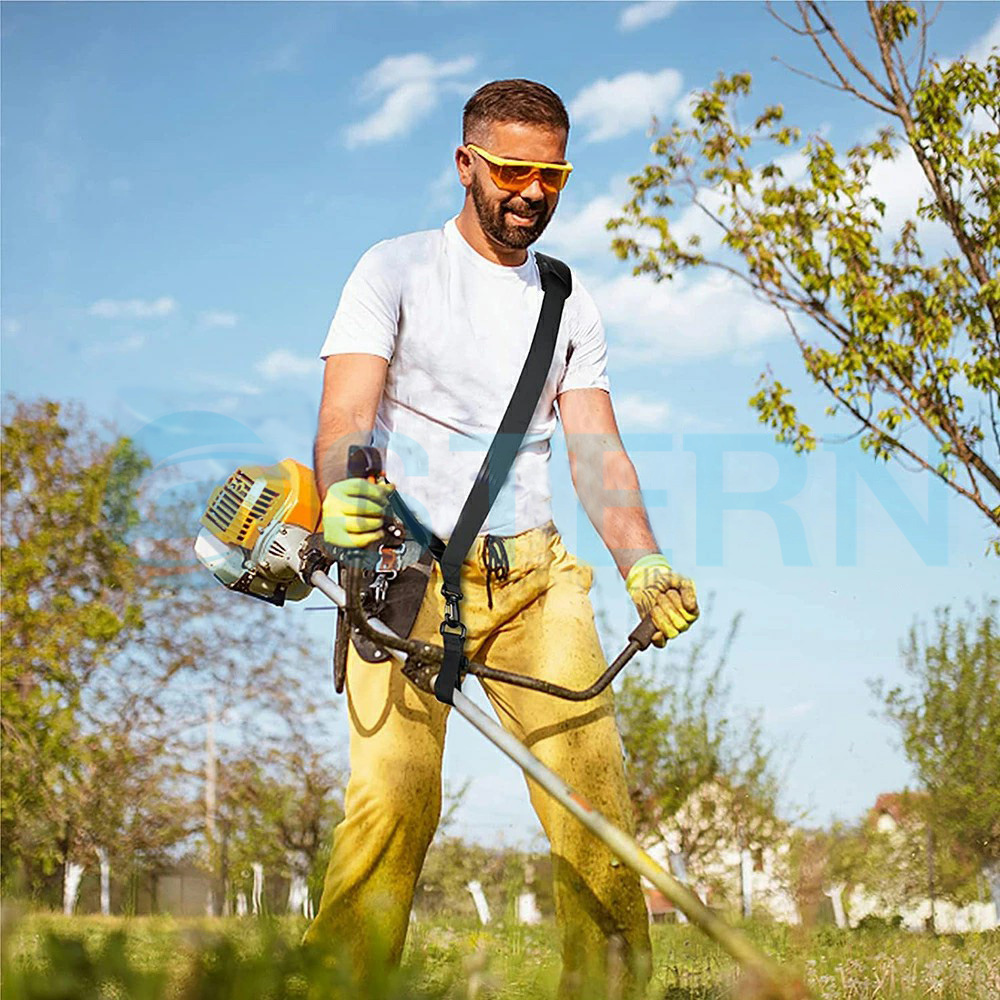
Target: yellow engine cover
[{"x": 255, "y": 496}]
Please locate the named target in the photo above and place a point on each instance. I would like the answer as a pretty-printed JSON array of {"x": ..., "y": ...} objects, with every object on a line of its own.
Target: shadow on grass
[
  {"x": 694, "y": 993},
  {"x": 68, "y": 967}
]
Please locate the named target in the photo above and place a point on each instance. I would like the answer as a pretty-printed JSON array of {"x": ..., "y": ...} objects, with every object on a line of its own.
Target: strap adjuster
[
  {"x": 452, "y": 626},
  {"x": 452, "y": 615}
]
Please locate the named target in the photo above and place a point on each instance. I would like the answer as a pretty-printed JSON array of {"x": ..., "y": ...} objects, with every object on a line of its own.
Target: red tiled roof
[{"x": 657, "y": 902}]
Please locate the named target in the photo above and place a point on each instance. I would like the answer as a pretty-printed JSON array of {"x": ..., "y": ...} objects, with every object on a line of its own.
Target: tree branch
[
  {"x": 849, "y": 54},
  {"x": 950, "y": 210}
]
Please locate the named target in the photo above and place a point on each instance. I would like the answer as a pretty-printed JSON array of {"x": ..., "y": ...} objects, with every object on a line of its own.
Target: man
[{"x": 422, "y": 357}]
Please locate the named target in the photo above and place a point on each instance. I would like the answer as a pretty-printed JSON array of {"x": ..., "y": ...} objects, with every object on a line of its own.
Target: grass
[{"x": 50, "y": 957}]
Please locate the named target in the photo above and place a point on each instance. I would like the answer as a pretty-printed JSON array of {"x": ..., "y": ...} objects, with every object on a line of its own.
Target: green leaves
[
  {"x": 948, "y": 718},
  {"x": 775, "y": 409},
  {"x": 897, "y": 336},
  {"x": 689, "y": 761},
  {"x": 69, "y": 599}
]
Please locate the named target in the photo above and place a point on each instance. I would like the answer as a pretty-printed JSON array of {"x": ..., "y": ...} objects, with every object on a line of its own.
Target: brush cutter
[{"x": 260, "y": 537}]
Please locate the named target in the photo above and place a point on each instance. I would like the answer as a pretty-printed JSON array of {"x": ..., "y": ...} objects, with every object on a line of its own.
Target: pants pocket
[{"x": 563, "y": 557}]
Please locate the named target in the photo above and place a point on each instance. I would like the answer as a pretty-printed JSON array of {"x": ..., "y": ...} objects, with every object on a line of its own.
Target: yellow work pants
[{"x": 541, "y": 624}]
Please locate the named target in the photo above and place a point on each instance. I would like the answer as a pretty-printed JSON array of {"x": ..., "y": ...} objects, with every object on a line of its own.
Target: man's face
[{"x": 515, "y": 219}]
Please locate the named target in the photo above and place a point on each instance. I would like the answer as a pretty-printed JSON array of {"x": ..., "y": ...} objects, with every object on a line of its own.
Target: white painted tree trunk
[
  {"x": 71, "y": 886},
  {"x": 258, "y": 888},
  {"x": 211, "y": 772},
  {"x": 105, "y": 863},
  {"x": 746, "y": 882},
  {"x": 836, "y": 894},
  {"x": 992, "y": 873},
  {"x": 212, "y": 908},
  {"x": 527, "y": 909},
  {"x": 241, "y": 904},
  {"x": 298, "y": 896},
  {"x": 678, "y": 865},
  {"x": 479, "y": 898}
]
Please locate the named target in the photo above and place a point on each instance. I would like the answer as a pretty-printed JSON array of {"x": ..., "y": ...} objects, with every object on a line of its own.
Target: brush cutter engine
[
  {"x": 261, "y": 533},
  {"x": 257, "y": 528}
]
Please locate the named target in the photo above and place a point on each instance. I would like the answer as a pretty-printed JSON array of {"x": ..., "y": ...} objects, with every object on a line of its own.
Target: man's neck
[{"x": 472, "y": 232}]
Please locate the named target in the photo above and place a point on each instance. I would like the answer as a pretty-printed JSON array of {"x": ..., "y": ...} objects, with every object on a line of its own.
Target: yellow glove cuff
[{"x": 638, "y": 571}]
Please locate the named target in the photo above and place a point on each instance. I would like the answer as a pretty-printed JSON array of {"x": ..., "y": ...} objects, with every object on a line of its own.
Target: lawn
[{"x": 50, "y": 957}]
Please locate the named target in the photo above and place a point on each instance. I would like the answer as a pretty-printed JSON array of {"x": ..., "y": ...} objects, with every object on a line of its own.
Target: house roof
[{"x": 657, "y": 902}]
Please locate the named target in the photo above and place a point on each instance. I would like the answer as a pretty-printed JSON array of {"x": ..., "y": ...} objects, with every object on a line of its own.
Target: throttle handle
[
  {"x": 364, "y": 463},
  {"x": 642, "y": 634}
]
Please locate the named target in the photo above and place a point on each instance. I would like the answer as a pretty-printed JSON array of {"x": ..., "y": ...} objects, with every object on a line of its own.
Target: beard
[{"x": 493, "y": 218}]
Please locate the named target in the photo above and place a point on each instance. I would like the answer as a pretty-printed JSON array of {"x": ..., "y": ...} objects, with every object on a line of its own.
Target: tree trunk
[
  {"x": 257, "y": 899},
  {"x": 992, "y": 873},
  {"x": 932, "y": 923},
  {"x": 746, "y": 882},
  {"x": 836, "y": 894},
  {"x": 105, "y": 863},
  {"x": 298, "y": 893},
  {"x": 479, "y": 898},
  {"x": 678, "y": 865},
  {"x": 72, "y": 873}
]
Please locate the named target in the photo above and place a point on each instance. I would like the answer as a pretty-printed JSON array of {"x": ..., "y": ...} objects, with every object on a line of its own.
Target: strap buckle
[{"x": 452, "y": 624}]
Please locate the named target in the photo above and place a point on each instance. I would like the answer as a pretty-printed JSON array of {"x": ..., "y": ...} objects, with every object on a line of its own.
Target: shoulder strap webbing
[{"x": 556, "y": 285}]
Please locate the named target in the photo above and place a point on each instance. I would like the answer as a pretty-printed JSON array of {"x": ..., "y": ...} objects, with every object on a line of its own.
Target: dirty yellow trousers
[{"x": 541, "y": 624}]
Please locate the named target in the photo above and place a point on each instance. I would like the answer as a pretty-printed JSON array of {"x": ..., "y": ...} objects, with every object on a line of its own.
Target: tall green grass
[{"x": 48, "y": 957}]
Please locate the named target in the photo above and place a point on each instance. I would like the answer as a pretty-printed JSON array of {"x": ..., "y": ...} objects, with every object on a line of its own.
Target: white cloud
[
  {"x": 684, "y": 108},
  {"x": 627, "y": 103},
  {"x": 12, "y": 327},
  {"x": 638, "y": 15},
  {"x": 581, "y": 232},
  {"x": 444, "y": 189},
  {"x": 791, "y": 712},
  {"x": 284, "y": 364},
  {"x": 225, "y": 384},
  {"x": 683, "y": 319},
  {"x": 133, "y": 308},
  {"x": 900, "y": 183},
  {"x": 124, "y": 346},
  {"x": 218, "y": 317},
  {"x": 409, "y": 87},
  {"x": 636, "y": 410},
  {"x": 981, "y": 48}
]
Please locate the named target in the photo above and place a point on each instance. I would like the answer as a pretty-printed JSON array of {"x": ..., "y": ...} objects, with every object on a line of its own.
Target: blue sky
[{"x": 187, "y": 186}]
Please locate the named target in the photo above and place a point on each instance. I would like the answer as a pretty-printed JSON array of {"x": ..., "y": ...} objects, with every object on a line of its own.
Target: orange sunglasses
[{"x": 516, "y": 175}]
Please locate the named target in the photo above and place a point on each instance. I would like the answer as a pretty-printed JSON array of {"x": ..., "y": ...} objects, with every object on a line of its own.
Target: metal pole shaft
[
  {"x": 769, "y": 979},
  {"x": 769, "y": 975}
]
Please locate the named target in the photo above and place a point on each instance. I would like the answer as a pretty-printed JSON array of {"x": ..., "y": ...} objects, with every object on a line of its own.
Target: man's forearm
[
  {"x": 334, "y": 439},
  {"x": 608, "y": 488}
]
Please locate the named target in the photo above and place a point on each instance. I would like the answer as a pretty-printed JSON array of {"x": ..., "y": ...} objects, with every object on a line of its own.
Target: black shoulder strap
[{"x": 556, "y": 285}]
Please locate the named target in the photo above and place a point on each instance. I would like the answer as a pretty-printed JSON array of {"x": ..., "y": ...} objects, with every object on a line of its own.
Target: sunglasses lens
[
  {"x": 553, "y": 180},
  {"x": 510, "y": 177}
]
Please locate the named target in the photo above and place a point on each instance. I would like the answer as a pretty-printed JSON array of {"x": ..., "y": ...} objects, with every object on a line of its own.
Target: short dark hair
[{"x": 512, "y": 101}]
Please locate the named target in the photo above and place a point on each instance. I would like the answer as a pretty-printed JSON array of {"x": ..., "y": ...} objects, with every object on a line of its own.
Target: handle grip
[
  {"x": 364, "y": 463},
  {"x": 642, "y": 634}
]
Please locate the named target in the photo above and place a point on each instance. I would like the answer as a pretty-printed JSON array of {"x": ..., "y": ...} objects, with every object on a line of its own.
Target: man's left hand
[{"x": 669, "y": 598}]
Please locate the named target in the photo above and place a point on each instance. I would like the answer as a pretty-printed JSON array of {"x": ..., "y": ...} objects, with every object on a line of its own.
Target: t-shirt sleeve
[
  {"x": 367, "y": 316},
  {"x": 587, "y": 362}
]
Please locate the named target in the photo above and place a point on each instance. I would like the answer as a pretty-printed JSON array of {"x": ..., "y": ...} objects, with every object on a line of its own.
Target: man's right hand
[{"x": 354, "y": 512}]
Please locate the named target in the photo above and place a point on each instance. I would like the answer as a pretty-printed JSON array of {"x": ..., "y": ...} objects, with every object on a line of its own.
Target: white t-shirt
[{"x": 456, "y": 329}]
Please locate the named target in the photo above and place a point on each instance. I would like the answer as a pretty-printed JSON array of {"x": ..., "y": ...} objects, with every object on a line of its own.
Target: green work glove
[
  {"x": 658, "y": 591},
  {"x": 354, "y": 512}
]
